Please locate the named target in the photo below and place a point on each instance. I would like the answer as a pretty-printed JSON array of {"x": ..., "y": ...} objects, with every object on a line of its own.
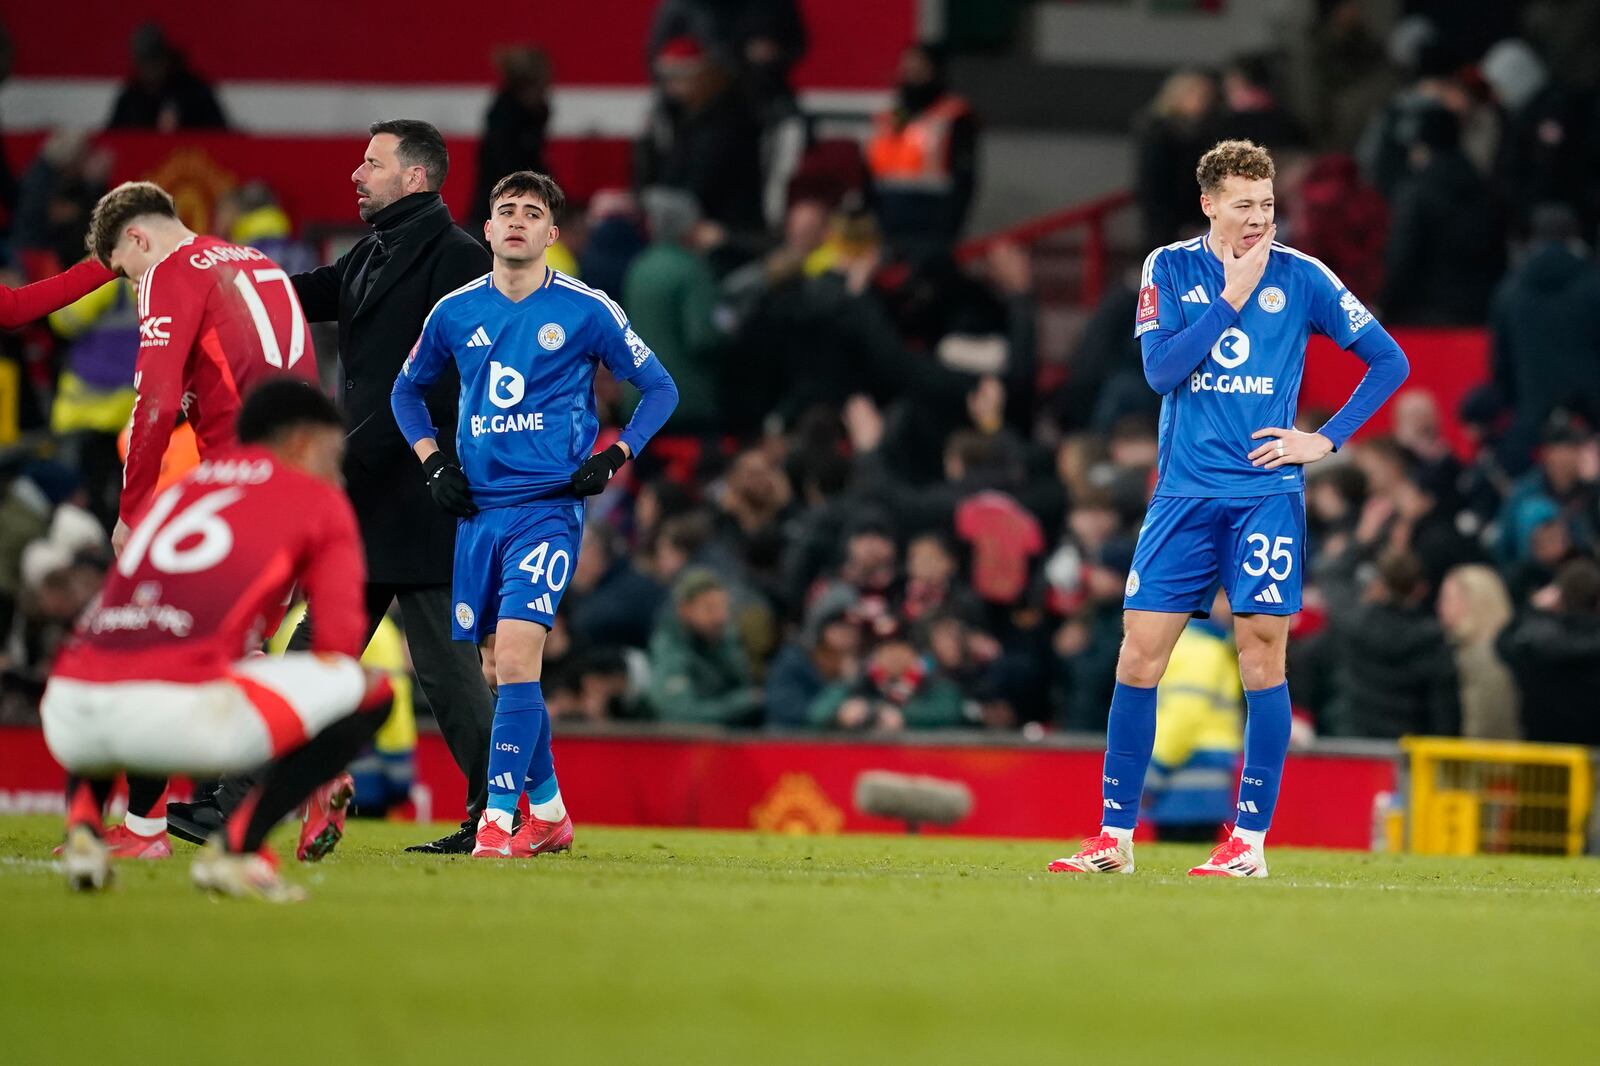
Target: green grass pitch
[{"x": 672, "y": 946}]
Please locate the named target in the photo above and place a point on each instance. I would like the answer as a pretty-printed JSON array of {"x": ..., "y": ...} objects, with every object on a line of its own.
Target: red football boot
[
  {"x": 534, "y": 837},
  {"x": 322, "y": 819},
  {"x": 124, "y": 843},
  {"x": 492, "y": 842}
]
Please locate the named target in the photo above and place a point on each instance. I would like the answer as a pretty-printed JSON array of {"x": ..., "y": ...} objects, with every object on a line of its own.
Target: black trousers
[{"x": 448, "y": 672}]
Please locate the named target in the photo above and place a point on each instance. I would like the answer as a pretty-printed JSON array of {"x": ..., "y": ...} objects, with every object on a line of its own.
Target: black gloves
[
  {"x": 449, "y": 486},
  {"x": 590, "y": 478}
]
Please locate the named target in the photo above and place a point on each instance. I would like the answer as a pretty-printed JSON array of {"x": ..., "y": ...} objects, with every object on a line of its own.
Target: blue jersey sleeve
[
  {"x": 422, "y": 368},
  {"x": 1169, "y": 350},
  {"x": 1158, "y": 298},
  {"x": 1335, "y": 311},
  {"x": 1387, "y": 368},
  {"x": 630, "y": 359}
]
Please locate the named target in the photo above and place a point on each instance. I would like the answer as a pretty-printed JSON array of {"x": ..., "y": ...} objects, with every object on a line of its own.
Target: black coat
[
  {"x": 418, "y": 255},
  {"x": 1395, "y": 675},
  {"x": 1438, "y": 270},
  {"x": 1555, "y": 659}
]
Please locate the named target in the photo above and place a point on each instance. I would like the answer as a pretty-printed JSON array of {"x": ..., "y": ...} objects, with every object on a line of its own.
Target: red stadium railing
[{"x": 1091, "y": 217}]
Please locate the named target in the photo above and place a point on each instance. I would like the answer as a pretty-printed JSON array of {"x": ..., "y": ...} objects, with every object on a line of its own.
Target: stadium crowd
[{"x": 868, "y": 513}]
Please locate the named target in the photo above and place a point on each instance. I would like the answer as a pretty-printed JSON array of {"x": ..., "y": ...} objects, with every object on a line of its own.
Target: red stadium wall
[
  {"x": 311, "y": 175},
  {"x": 805, "y": 786},
  {"x": 595, "y": 42},
  {"x": 1448, "y": 363}
]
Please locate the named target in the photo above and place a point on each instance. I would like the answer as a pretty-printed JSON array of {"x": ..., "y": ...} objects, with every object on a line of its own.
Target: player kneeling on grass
[
  {"x": 526, "y": 340},
  {"x": 156, "y": 677},
  {"x": 1222, "y": 321}
]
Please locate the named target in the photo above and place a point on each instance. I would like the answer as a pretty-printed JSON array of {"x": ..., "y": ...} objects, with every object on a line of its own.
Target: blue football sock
[
  {"x": 1266, "y": 744},
  {"x": 513, "y": 741},
  {"x": 1130, "y": 737},
  {"x": 542, "y": 785}
]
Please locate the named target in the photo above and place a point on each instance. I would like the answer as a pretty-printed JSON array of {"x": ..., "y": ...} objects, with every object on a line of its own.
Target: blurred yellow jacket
[{"x": 1199, "y": 730}]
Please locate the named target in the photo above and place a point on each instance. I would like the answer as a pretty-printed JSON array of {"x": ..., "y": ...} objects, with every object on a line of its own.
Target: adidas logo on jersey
[
  {"x": 479, "y": 339},
  {"x": 1196, "y": 295},
  {"x": 542, "y": 604},
  {"x": 1270, "y": 594}
]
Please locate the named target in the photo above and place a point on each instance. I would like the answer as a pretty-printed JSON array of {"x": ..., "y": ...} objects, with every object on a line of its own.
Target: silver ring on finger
[{"x": 1280, "y": 447}]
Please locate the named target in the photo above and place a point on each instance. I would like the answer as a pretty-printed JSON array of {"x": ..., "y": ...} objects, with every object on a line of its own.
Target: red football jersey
[
  {"x": 208, "y": 570},
  {"x": 214, "y": 319}
]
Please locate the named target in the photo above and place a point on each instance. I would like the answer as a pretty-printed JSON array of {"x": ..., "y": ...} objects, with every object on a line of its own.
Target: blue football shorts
[
  {"x": 1252, "y": 547},
  {"x": 513, "y": 562}
]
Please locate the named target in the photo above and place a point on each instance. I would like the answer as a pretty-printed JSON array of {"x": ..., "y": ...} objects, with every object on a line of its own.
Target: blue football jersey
[
  {"x": 527, "y": 380},
  {"x": 1251, "y": 378}
]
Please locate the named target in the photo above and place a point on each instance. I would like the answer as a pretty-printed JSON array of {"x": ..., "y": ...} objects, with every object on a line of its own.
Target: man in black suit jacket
[{"x": 379, "y": 292}]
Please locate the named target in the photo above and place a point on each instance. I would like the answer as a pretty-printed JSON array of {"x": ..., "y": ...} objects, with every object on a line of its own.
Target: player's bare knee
[
  {"x": 518, "y": 652},
  {"x": 1263, "y": 654},
  {"x": 1140, "y": 664}
]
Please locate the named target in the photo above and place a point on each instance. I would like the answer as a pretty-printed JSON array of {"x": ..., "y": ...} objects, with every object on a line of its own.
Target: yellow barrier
[{"x": 1471, "y": 797}]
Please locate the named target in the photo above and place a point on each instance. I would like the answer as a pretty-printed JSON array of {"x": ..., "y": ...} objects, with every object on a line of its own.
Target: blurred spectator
[
  {"x": 753, "y": 503},
  {"x": 1474, "y": 608},
  {"x": 1417, "y": 431},
  {"x": 1554, "y": 653},
  {"x": 43, "y": 502},
  {"x": 1350, "y": 76},
  {"x": 1439, "y": 271},
  {"x": 1562, "y": 487},
  {"x": 898, "y": 690},
  {"x": 1105, "y": 371},
  {"x": 611, "y": 604},
  {"x": 994, "y": 690},
  {"x": 1339, "y": 218},
  {"x": 252, "y": 215},
  {"x": 703, "y": 138},
  {"x": 8, "y": 180},
  {"x": 1173, "y": 132},
  {"x": 825, "y": 654},
  {"x": 1545, "y": 325},
  {"x": 615, "y": 237},
  {"x": 868, "y": 575},
  {"x": 671, "y": 298},
  {"x": 1547, "y": 148},
  {"x": 1425, "y": 68},
  {"x": 1250, "y": 108},
  {"x": 933, "y": 582},
  {"x": 1087, "y": 641},
  {"x": 822, "y": 339},
  {"x": 1409, "y": 509},
  {"x": 1189, "y": 788},
  {"x": 698, "y": 669},
  {"x": 58, "y": 190},
  {"x": 163, "y": 93},
  {"x": 1395, "y": 674},
  {"x": 760, "y": 39},
  {"x": 514, "y": 127},
  {"x": 1487, "y": 477},
  {"x": 592, "y": 685},
  {"x": 94, "y": 392},
  {"x": 923, "y": 155}
]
